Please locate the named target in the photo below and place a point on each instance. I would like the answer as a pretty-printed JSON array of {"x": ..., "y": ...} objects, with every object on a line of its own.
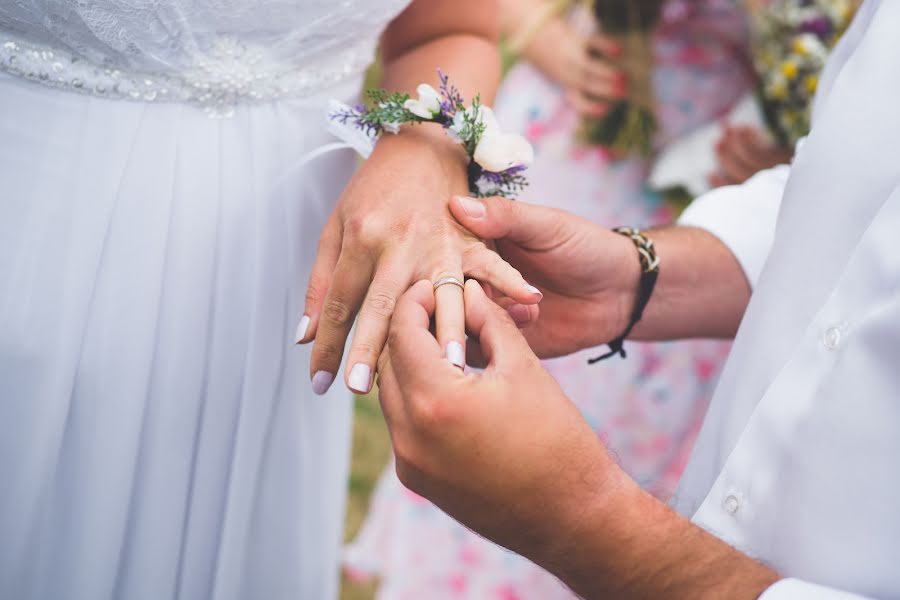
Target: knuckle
[
  {"x": 365, "y": 233},
  {"x": 381, "y": 304},
  {"x": 328, "y": 353},
  {"x": 422, "y": 414},
  {"x": 366, "y": 349},
  {"x": 314, "y": 293},
  {"x": 431, "y": 414},
  {"x": 337, "y": 312}
]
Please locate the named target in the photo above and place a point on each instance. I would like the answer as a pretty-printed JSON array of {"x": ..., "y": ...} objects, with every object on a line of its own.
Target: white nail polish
[
  {"x": 359, "y": 378},
  {"x": 302, "y": 326},
  {"x": 321, "y": 381},
  {"x": 533, "y": 289},
  {"x": 456, "y": 354}
]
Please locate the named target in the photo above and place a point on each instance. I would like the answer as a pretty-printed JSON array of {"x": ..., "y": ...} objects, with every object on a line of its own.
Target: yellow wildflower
[
  {"x": 811, "y": 82},
  {"x": 789, "y": 69}
]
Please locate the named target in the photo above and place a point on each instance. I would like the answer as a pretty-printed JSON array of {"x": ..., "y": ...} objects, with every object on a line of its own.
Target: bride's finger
[
  {"x": 449, "y": 317},
  {"x": 348, "y": 288},
  {"x": 373, "y": 324},
  {"x": 488, "y": 267},
  {"x": 319, "y": 280}
]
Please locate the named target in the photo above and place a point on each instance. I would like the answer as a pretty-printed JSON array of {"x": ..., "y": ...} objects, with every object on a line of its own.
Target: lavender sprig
[
  {"x": 506, "y": 183},
  {"x": 358, "y": 117},
  {"x": 452, "y": 101}
]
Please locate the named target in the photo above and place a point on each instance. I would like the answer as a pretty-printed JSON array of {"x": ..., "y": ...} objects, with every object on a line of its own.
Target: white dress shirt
[{"x": 798, "y": 462}]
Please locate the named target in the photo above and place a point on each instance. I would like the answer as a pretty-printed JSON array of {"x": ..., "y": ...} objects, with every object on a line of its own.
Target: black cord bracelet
[{"x": 649, "y": 273}]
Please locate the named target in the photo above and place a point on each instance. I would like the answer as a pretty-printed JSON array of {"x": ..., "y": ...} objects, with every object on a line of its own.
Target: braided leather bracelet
[{"x": 649, "y": 273}]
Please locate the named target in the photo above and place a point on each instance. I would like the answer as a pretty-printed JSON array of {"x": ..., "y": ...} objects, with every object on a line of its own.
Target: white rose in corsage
[{"x": 496, "y": 159}]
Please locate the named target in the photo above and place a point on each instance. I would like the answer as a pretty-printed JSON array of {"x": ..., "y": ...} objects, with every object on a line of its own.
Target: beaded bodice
[{"x": 214, "y": 53}]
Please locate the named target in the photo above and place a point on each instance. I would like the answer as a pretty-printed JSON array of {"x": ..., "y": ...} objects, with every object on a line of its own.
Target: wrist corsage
[{"x": 496, "y": 159}]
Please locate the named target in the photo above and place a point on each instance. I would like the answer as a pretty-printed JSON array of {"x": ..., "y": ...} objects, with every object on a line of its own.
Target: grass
[{"x": 371, "y": 450}]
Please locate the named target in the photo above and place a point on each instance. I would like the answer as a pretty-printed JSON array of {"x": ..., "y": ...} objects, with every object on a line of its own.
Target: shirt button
[
  {"x": 731, "y": 504},
  {"x": 832, "y": 338}
]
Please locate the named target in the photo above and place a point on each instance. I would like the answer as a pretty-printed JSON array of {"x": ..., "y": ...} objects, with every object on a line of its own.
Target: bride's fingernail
[
  {"x": 360, "y": 375},
  {"x": 533, "y": 290},
  {"x": 321, "y": 381},
  {"x": 302, "y": 326},
  {"x": 456, "y": 354},
  {"x": 472, "y": 207}
]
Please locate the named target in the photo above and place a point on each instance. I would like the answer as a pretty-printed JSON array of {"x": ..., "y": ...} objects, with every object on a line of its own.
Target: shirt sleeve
[
  {"x": 743, "y": 217},
  {"x": 795, "y": 589}
]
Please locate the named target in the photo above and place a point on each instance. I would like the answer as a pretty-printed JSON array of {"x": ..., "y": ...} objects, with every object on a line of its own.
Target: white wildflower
[{"x": 427, "y": 106}]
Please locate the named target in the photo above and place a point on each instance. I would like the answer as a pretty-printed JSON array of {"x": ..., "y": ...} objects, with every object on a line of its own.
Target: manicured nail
[
  {"x": 360, "y": 375},
  {"x": 321, "y": 381},
  {"x": 533, "y": 290},
  {"x": 301, "y": 329},
  {"x": 456, "y": 354},
  {"x": 472, "y": 207}
]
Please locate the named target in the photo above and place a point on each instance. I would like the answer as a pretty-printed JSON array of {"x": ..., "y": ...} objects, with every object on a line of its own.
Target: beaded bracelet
[{"x": 649, "y": 273}]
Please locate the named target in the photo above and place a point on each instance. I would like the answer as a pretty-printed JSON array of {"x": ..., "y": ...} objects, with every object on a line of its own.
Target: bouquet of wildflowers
[
  {"x": 630, "y": 124},
  {"x": 497, "y": 160},
  {"x": 792, "y": 41}
]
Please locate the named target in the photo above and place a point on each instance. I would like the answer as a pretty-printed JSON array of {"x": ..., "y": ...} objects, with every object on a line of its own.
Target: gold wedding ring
[{"x": 449, "y": 280}]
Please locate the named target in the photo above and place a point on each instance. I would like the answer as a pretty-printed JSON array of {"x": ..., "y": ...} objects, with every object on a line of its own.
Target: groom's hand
[
  {"x": 506, "y": 454},
  {"x": 588, "y": 274},
  {"x": 492, "y": 449}
]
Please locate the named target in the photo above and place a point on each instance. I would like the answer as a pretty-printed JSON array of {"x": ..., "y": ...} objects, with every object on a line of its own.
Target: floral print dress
[{"x": 648, "y": 407}]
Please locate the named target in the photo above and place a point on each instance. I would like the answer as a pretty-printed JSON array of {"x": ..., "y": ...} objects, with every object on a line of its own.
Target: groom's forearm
[
  {"x": 634, "y": 546},
  {"x": 701, "y": 290}
]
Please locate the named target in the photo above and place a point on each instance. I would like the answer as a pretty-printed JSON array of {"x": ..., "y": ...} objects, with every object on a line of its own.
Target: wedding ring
[{"x": 451, "y": 281}]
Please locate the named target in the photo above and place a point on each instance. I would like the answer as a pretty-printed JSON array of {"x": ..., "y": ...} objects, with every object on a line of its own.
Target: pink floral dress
[{"x": 648, "y": 407}]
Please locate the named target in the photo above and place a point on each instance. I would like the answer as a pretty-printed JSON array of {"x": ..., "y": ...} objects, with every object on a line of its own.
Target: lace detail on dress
[
  {"x": 230, "y": 73},
  {"x": 215, "y": 53}
]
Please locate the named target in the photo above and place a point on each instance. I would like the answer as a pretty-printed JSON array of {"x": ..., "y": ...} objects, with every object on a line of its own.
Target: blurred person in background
[
  {"x": 648, "y": 409},
  {"x": 790, "y": 42}
]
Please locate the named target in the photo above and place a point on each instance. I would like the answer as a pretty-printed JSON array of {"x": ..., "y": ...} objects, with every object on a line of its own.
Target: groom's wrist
[{"x": 628, "y": 284}]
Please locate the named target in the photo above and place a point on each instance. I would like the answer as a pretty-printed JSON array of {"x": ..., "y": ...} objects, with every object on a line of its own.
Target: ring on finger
[{"x": 450, "y": 281}]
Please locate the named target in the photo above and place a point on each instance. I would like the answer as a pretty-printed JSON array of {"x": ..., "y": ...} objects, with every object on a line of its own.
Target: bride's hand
[
  {"x": 391, "y": 227},
  {"x": 588, "y": 274}
]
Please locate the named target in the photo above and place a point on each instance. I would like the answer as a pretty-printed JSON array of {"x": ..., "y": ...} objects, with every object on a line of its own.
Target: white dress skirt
[{"x": 158, "y": 435}]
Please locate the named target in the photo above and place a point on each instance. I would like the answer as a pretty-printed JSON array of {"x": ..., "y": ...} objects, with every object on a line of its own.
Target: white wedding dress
[{"x": 158, "y": 435}]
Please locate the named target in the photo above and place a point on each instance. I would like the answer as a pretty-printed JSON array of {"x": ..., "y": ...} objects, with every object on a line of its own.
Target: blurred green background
[{"x": 371, "y": 451}]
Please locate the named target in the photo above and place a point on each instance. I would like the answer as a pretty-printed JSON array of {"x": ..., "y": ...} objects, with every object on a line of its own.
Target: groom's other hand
[
  {"x": 508, "y": 455},
  {"x": 589, "y": 276},
  {"x": 492, "y": 449}
]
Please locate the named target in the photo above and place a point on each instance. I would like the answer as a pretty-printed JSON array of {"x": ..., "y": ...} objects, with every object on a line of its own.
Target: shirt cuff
[
  {"x": 795, "y": 589},
  {"x": 743, "y": 217}
]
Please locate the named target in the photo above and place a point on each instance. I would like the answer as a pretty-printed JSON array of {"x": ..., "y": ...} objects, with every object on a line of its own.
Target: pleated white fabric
[{"x": 158, "y": 435}]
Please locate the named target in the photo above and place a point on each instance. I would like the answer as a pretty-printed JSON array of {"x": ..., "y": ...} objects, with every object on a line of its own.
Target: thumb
[
  {"x": 498, "y": 218},
  {"x": 500, "y": 341}
]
